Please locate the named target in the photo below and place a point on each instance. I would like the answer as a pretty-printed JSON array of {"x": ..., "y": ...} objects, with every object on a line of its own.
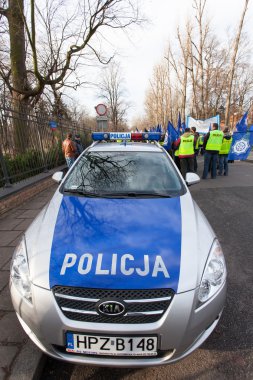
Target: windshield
[{"x": 124, "y": 174}]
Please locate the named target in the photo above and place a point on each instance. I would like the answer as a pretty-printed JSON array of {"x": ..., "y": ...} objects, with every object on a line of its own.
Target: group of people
[
  {"x": 71, "y": 148},
  {"x": 215, "y": 146}
]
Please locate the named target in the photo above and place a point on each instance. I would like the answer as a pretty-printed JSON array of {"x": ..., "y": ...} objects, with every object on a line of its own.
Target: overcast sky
[{"x": 145, "y": 46}]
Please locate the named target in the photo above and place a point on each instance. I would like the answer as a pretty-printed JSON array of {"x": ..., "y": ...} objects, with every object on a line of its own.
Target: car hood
[{"x": 116, "y": 243}]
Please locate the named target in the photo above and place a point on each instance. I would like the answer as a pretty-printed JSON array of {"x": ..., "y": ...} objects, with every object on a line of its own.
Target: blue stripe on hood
[{"x": 117, "y": 243}]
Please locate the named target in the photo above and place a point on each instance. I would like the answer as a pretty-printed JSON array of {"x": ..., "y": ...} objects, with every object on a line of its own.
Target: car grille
[{"x": 143, "y": 305}]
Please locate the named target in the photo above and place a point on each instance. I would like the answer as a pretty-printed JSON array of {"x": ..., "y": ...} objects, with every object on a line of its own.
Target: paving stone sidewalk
[{"x": 18, "y": 356}]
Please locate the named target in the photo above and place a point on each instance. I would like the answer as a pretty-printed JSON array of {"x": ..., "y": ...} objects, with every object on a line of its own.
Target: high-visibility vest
[
  {"x": 215, "y": 140},
  {"x": 200, "y": 141},
  {"x": 186, "y": 147},
  {"x": 176, "y": 153},
  {"x": 225, "y": 147},
  {"x": 197, "y": 144}
]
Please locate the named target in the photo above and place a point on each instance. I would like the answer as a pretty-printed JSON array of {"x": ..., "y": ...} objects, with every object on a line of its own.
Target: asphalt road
[{"x": 228, "y": 352}]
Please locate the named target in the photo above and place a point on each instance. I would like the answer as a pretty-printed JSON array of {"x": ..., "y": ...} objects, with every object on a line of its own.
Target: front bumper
[{"x": 180, "y": 331}]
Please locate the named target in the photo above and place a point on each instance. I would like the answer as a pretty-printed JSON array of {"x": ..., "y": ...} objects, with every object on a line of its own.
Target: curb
[
  {"x": 29, "y": 363},
  {"x": 20, "y": 359},
  {"x": 23, "y": 191}
]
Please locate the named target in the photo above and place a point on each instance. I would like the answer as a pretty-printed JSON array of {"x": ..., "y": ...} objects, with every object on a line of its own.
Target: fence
[{"x": 28, "y": 145}]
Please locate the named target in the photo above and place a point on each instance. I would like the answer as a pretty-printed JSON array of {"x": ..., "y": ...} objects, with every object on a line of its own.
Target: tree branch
[{"x": 4, "y": 12}]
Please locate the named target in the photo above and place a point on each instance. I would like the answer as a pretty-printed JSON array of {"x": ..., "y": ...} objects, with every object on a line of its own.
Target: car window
[{"x": 124, "y": 173}]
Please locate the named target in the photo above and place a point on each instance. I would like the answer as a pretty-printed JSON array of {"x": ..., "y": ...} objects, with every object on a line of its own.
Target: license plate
[{"x": 111, "y": 345}]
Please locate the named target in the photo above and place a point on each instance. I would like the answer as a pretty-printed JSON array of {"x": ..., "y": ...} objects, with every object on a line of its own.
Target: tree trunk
[
  {"x": 18, "y": 71},
  {"x": 20, "y": 125},
  {"x": 201, "y": 65},
  {"x": 233, "y": 63},
  {"x": 17, "y": 44}
]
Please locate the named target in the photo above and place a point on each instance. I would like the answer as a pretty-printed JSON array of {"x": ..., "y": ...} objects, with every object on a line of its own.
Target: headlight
[
  {"x": 214, "y": 274},
  {"x": 20, "y": 271}
]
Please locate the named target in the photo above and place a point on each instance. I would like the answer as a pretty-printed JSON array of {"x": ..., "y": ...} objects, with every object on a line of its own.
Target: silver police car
[{"x": 121, "y": 268}]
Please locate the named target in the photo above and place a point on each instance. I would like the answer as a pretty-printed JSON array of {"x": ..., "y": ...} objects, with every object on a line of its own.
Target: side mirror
[
  {"x": 57, "y": 177},
  {"x": 192, "y": 178}
]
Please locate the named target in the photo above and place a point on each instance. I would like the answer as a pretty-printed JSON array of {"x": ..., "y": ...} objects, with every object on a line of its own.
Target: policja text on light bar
[{"x": 134, "y": 136}]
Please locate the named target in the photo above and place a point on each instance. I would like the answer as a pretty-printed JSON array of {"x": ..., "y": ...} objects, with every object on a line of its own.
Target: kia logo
[{"x": 111, "y": 308}]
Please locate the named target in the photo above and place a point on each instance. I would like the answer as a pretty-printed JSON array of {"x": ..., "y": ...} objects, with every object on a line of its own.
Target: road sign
[
  {"x": 52, "y": 124},
  {"x": 102, "y": 123},
  {"x": 101, "y": 109}
]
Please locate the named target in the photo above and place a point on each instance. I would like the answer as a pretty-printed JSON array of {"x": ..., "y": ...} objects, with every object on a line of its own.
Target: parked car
[{"x": 121, "y": 268}]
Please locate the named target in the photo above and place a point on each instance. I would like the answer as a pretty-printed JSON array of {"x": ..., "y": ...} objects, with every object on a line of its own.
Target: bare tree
[
  {"x": 111, "y": 89},
  {"x": 46, "y": 48},
  {"x": 36, "y": 61},
  {"x": 203, "y": 29},
  {"x": 140, "y": 124},
  {"x": 180, "y": 65},
  {"x": 233, "y": 61},
  {"x": 185, "y": 49},
  {"x": 191, "y": 61},
  {"x": 157, "y": 102},
  {"x": 199, "y": 70}
]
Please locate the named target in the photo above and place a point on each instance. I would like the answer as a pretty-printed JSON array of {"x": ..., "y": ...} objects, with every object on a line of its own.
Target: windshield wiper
[
  {"x": 73, "y": 191},
  {"x": 130, "y": 194},
  {"x": 135, "y": 194},
  {"x": 87, "y": 194},
  {"x": 153, "y": 195}
]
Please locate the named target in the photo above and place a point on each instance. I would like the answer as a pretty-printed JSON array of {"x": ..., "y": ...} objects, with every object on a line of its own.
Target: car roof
[{"x": 125, "y": 147}]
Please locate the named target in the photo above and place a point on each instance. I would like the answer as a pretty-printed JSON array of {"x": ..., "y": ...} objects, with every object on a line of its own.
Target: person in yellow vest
[
  {"x": 185, "y": 144},
  {"x": 196, "y": 150},
  {"x": 212, "y": 144},
  {"x": 201, "y": 141},
  {"x": 175, "y": 155},
  {"x": 224, "y": 151}
]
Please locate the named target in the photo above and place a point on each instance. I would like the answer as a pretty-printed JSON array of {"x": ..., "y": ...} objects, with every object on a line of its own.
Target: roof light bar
[{"x": 134, "y": 136}]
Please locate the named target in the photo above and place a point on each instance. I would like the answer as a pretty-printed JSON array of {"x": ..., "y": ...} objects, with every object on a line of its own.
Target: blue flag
[
  {"x": 241, "y": 145},
  {"x": 183, "y": 126},
  {"x": 241, "y": 126},
  {"x": 179, "y": 123},
  {"x": 171, "y": 135},
  {"x": 251, "y": 135}
]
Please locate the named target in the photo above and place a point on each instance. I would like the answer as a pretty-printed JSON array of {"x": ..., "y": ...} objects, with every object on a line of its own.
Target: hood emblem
[{"x": 111, "y": 308}]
